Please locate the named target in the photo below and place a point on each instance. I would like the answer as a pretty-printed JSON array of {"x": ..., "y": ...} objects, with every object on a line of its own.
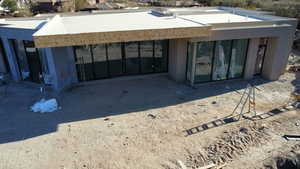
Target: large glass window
[
  {"x": 100, "y": 61},
  {"x": 147, "y": 61},
  {"x": 203, "y": 65},
  {"x": 115, "y": 59},
  {"x": 84, "y": 63},
  {"x": 238, "y": 58},
  {"x": 132, "y": 58},
  {"x": 216, "y": 60},
  {"x": 221, "y": 59},
  {"x": 161, "y": 56}
]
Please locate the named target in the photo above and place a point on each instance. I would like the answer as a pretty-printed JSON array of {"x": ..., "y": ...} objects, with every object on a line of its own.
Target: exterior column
[
  {"x": 12, "y": 60},
  {"x": 277, "y": 53},
  {"x": 178, "y": 59},
  {"x": 61, "y": 64},
  {"x": 251, "y": 58},
  {"x": 51, "y": 67}
]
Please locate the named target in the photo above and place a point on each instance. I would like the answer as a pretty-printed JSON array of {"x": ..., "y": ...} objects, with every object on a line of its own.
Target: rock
[
  {"x": 243, "y": 130},
  {"x": 152, "y": 116}
]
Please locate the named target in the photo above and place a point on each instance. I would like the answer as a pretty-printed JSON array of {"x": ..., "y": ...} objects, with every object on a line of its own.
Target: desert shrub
[{"x": 10, "y": 5}]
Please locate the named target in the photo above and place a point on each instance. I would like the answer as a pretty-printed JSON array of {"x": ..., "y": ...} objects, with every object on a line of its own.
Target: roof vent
[{"x": 161, "y": 12}]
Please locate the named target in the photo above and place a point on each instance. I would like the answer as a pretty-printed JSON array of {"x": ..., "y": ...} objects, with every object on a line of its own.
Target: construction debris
[
  {"x": 207, "y": 167},
  {"x": 44, "y": 106},
  {"x": 229, "y": 146},
  {"x": 292, "y": 137},
  {"x": 181, "y": 164},
  {"x": 152, "y": 116},
  {"x": 294, "y": 69}
]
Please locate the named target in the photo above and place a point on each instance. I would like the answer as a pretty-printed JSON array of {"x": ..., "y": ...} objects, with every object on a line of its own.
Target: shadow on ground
[
  {"x": 230, "y": 119},
  {"x": 233, "y": 118},
  {"x": 98, "y": 100}
]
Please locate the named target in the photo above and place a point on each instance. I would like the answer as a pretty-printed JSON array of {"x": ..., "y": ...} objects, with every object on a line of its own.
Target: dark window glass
[
  {"x": 100, "y": 61},
  {"x": 161, "y": 56},
  {"x": 84, "y": 63},
  {"x": 147, "y": 60},
  {"x": 115, "y": 59},
  {"x": 238, "y": 58},
  {"x": 204, "y": 61},
  {"x": 221, "y": 59},
  {"x": 132, "y": 58}
]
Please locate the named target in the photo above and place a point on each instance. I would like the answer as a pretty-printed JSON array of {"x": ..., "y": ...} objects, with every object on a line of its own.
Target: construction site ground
[{"x": 148, "y": 123}]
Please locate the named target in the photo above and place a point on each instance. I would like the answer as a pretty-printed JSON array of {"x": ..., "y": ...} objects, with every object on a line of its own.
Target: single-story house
[{"x": 191, "y": 45}]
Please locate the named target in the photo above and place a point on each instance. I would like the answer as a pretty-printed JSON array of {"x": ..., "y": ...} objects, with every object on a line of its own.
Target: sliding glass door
[
  {"x": 221, "y": 59},
  {"x": 100, "y": 64},
  {"x": 115, "y": 59},
  {"x": 147, "y": 56},
  {"x": 132, "y": 58},
  {"x": 203, "y": 65},
  {"x": 216, "y": 60},
  {"x": 238, "y": 58}
]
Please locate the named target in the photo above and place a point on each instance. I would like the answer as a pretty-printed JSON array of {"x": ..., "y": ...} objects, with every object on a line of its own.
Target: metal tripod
[{"x": 248, "y": 97}]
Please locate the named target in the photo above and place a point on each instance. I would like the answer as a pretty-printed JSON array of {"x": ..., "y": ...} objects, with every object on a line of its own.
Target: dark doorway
[
  {"x": 34, "y": 62},
  {"x": 28, "y": 60},
  {"x": 261, "y": 52}
]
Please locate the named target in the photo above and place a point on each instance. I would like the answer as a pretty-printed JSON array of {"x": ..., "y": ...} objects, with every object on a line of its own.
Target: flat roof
[
  {"x": 116, "y": 22},
  {"x": 136, "y": 25},
  {"x": 21, "y": 24},
  {"x": 220, "y": 18}
]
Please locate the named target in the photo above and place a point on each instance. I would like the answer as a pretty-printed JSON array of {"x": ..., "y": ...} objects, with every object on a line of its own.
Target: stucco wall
[
  {"x": 61, "y": 66},
  {"x": 177, "y": 59}
]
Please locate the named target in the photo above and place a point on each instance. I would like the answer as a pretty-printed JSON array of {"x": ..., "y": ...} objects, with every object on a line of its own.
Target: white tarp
[{"x": 44, "y": 106}]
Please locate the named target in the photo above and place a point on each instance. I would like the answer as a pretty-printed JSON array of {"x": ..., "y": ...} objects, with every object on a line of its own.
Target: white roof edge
[{"x": 53, "y": 24}]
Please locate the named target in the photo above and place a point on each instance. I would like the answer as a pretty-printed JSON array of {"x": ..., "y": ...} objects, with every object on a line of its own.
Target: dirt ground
[{"x": 147, "y": 123}]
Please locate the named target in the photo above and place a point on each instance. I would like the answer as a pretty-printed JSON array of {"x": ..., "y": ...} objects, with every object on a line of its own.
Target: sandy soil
[{"x": 142, "y": 124}]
